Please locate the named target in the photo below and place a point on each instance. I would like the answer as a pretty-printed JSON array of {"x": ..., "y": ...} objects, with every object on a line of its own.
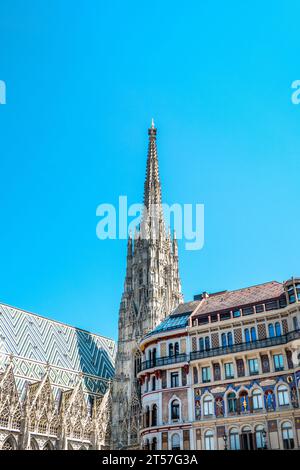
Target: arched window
[
  {"x": 253, "y": 334},
  {"x": 271, "y": 330},
  {"x": 278, "y": 329},
  {"x": 48, "y": 446},
  {"x": 175, "y": 410},
  {"x": 257, "y": 400},
  {"x": 208, "y": 406},
  {"x": 175, "y": 442},
  {"x": 147, "y": 417},
  {"x": 283, "y": 395},
  {"x": 247, "y": 335},
  {"x": 209, "y": 440},
  {"x": 4, "y": 417},
  {"x": 201, "y": 344},
  {"x": 234, "y": 439},
  {"x": 223, "y": 340},
  {"x": 232, "y": 403},
  {"x": 9, "y": 444},
  {"x": 147, "y": 445},
  {"x": 154, "y": 444},
  {"x": 153, "y": 383},
  {"x": 229, "y": 339},
  {"x": 207, "y": 343},
  {"x": 176, "y": 349},
  {"x": 171, "y": 349},
  {"x": 287, "y": 435},
  {"x": 154, "y": 416},
  {"x": 295, "y": 323},
  {"x": 33, "y": 444},
  {"x": 260, "y": 437}
]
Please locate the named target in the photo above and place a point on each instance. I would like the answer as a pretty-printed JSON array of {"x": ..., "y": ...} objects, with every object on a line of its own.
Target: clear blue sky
[{"x": 84, "y": 79}]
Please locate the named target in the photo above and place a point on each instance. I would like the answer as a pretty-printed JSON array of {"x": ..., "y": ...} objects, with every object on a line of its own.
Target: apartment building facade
[{"x": 222, "y": 372}]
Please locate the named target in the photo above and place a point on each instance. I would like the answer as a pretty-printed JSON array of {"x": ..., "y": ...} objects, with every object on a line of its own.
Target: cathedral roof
[{"x": 37, "y": 343}]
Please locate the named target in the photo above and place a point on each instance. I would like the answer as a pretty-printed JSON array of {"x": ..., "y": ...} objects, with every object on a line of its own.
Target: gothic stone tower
[{"x": 152, "y": 289}]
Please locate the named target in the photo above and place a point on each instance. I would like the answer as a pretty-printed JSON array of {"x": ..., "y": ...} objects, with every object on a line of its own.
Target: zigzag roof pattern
[{"x": 37, "y": 342}]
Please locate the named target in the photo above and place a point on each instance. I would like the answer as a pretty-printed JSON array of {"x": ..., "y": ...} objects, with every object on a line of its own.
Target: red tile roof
[{"x": 238, "y": 298}]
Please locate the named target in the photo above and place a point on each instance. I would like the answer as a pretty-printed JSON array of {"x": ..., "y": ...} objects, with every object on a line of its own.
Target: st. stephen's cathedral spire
[{"x": 152, "y": 289}]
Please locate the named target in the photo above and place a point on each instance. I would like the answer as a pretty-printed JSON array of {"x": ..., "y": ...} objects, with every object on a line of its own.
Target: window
[
  {"x": 175, "y": 410},
  {"x": 295, "y": 323},
  {"x": 234, "y": 440},
  {"x": 232, "y": 403},
  {"x": 278, "y": 329},
  {"x": 291, "y": 295},
  {"x": 257, "y": 400},
  {"x": 175, "y": 442},
  {"x": 154, "y": 444},
  {"x": 287, "y": 436},
  {"x": 236, "y": 313},
  {"x": 174, "y": 379},
  {"x": 209, "y": 440},
  {"x": 205, "y": 374},
  {"x": 154, "y": 416},
  {"x": 229, "y": 374},
  {"x": 207, "y": 343},
  {"x": 176, "y": 349},
  {"x": 260, "y": 437},
  {"x": 283, "y": 396},
  {"x": 247, "y": 335},
  {"x": 208, "y": 406},
  {"x": 253, "y": 366},
  {"x": 201, "y": 344},
  {"x": 271, "y": 330},
  {"x": 171, "y": 349},
  {"x": 248, "y": 311},
  {"x": 278, "y": 362},
  {"x": 153, "y": 383},
  {"x": 223, "y": 340},
  {"x": 147, "y": 417},
  {"x": 195, "y": 375},
  {"x": 229, "y": 339},
  {"x": 253, "y": 334}
]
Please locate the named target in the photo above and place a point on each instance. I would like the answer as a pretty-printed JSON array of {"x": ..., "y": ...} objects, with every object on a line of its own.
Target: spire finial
[{"x": 152, "y": 124}]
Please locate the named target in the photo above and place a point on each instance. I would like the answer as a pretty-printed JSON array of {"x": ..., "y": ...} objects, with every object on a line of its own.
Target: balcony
[
  {"x": 236, "y": 348},
  {"x": 163, "y": 361}
]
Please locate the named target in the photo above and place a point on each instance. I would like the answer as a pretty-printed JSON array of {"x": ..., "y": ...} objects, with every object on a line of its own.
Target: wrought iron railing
[
  {"x": 164, "y": 361},
  {"x": 260, "y": 343}
]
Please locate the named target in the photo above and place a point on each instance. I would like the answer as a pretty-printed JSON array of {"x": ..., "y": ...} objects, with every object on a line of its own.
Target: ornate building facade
[
  {"x": 223, "y": 372},
  {"x": 54, "y": 384},
  {"x": 152, "y": 289}
]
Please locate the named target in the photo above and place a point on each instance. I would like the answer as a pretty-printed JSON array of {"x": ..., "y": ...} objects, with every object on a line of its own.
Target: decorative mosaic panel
[
  {"x": 262, "y": 333},
  {"x": 237, "y": 335}
]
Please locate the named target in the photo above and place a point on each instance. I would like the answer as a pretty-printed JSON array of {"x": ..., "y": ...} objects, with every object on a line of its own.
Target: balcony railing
[
  {"x": 235, "y": 348},
  {"x": 163, "y": 361}
]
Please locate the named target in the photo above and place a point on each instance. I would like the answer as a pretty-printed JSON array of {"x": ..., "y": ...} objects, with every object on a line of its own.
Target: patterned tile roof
[
  {"x": 37, "y": 343},
  {"x": 220, "y": 301},
  {"x": 249, "y": 295}
]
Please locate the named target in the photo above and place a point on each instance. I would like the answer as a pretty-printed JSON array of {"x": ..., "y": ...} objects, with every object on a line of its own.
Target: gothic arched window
[
  {"x": 247, "y": 335},
  {"x": 171, "y": 349},
  {"x": 154, "y": 416},
  {"x": 229, "y": 339},
  {"x": 9, "y": 444},
  {"x": 175, "y": 410},
  {"x": 176, "y": 349},
  {"x": 154, "y": 444}
]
